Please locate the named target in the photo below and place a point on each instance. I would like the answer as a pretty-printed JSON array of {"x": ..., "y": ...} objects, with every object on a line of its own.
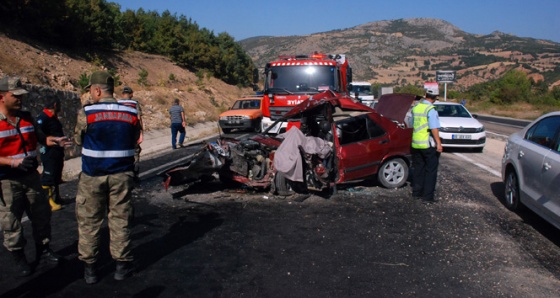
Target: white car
[
  {"x": 531, "y": 168},
  {"x": 459, "y": 129}
]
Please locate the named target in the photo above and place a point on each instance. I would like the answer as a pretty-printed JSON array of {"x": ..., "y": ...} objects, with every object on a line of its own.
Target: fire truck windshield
[{"x": 301, "y": 79}]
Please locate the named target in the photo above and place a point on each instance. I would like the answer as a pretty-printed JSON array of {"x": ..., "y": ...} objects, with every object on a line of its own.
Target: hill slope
[
  {"x": 409, "y": 51},
  {"x": 203, "y": 98}
]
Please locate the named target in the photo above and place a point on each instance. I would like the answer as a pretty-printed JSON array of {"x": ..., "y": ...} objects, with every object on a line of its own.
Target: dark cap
[
  {"x": 101, "y": 78},
  {"x": 127, "y": 89},
  {"x": 12, "y": 84}
]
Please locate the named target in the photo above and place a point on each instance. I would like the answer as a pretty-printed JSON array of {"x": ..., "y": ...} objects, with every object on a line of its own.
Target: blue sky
[{"x": 248, "y": 18}]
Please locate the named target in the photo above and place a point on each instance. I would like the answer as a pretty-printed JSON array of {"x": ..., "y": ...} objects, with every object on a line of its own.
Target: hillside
[
  {"x": 203, "y": 98},
  {"x": 409, "y": 51}
]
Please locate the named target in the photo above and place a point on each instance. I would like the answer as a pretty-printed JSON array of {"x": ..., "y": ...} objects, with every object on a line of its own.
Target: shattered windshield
[{"x": 301, "y": 79}]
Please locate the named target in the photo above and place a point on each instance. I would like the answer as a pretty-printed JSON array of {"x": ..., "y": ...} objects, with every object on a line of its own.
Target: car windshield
[
  {"x": 361, "y": 90},
  {"x": 302, "y": 78},
  {"x": 246, "y": 104},
  {"x": 452, "y": 111}
]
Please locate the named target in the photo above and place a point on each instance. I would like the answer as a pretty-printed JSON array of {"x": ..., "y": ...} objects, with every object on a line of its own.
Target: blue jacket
[{"x": 110, "y": 138}]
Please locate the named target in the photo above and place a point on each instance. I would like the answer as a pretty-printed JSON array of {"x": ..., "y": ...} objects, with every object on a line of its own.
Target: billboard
[{"x": 445, "y": 76}]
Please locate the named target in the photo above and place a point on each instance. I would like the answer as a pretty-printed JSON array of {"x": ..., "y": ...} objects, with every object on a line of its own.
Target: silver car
[{"x": 531, "y": 168}]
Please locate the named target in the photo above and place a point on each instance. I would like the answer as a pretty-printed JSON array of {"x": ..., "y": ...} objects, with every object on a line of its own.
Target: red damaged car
[{"x": 330, "y": 140}]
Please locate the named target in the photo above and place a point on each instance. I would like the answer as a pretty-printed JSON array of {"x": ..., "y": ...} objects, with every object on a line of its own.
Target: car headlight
[
  {"x": 480, "y": 129},
  {"x": 245, "y": 117},
  {"x": 223, "y": 118}
]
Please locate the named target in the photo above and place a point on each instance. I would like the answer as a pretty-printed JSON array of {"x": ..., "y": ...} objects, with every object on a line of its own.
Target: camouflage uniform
[
  {"x": 21, "y": 191},
  {"x": 24, "y": 194},
  {"x": 99, "y": 195}
]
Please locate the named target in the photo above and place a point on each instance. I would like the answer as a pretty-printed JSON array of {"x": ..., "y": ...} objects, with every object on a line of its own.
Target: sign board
[{"x": 445, "y": 76}]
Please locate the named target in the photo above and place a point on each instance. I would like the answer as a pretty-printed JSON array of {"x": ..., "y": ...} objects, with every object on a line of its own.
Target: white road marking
[
  {"x": 486, "y": 168},
  {"x": 497, "y": 134}
]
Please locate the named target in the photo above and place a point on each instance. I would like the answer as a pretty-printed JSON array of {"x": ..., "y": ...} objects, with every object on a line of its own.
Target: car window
[
  {"x": 237, "y": 105},
  {"x": 355, "y": 129},
  {"x": 544, "y": 131},
  {"x": 452, "y": 111}
]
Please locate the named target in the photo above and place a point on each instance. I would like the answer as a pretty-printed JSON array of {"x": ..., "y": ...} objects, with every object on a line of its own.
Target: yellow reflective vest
[{"x": 421, "y": 132}]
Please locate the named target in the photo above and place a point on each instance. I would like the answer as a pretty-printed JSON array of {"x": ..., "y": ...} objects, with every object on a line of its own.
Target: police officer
[
  {"x": 108, "y": 133},
  {"x": 52, "y": 157},
  {"x": 20, "y": 182},
  {"x": 426, "y": 147},
  {"x": 127, "y": 95}
]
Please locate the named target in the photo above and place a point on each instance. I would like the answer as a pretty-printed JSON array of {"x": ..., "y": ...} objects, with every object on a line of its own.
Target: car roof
[
  {"x": 446, "y": 103},
  {"x": 250, "y": 97}
]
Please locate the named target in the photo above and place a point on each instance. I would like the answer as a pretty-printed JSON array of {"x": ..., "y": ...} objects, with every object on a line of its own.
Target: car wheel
[
  {"x": 257, "y": 127},
  {"x": 281, "y": 185},
  {"x": 226, "y": 130},
  {"x": 512, "y": 191},
  {"x": 393, "y": 173}
]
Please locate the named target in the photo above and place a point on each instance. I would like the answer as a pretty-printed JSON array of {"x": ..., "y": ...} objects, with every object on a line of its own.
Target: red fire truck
[{"x": 290, "y": 80}]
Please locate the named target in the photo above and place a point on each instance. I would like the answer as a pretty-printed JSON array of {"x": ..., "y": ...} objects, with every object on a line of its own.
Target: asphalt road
[{"x": 366, "y": 241}]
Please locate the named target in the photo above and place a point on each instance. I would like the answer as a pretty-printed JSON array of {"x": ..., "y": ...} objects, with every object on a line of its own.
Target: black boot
[
  {"x": 23, "y": 268},
  {"x": 45, "y": 252},
  {"x": 90, "y": 274},
  {"x": 124, "y": 270}
]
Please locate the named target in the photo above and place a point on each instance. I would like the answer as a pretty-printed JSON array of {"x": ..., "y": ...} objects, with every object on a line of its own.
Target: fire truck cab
[{"x": 290, "y": 80}]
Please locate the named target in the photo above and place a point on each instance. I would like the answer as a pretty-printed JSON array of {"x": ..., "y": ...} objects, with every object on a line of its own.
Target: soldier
[
  {"x": 52, "y": 157},
  {"x": 108, "y": 132},
  {"x": 20, "y": 182},
  {"x": 127, "y": 100}
]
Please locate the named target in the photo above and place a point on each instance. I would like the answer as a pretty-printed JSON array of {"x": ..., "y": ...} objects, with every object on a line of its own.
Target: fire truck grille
[{"x": 277, "y": 112}]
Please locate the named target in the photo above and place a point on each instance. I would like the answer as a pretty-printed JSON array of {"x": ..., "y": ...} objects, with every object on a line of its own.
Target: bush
[{"x": 143, "y": 77}]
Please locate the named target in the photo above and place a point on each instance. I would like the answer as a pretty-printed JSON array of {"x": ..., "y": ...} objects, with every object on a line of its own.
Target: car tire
[
  {"x": 281, "y": 185},
  {"x": 393, "y": 173},
  {"x": 226, "y": 130},
  {"x": 257, "y": 128},
  {"x": 511, "y": 192}
]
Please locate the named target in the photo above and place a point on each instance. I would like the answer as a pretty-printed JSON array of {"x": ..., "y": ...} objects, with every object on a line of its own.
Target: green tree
[{"x": 511, "y": 88}]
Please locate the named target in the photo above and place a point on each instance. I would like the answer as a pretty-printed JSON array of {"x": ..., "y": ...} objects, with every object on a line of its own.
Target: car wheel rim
[
  {"x": 393, "y": 173},
  {"x": 511, "y": 189}
]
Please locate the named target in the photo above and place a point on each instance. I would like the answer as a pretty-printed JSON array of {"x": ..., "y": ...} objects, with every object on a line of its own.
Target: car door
[
  {"x": 533, "y": 150},
  {"x": 550, "y": 180},
  {"x": 362, "y": 145}
]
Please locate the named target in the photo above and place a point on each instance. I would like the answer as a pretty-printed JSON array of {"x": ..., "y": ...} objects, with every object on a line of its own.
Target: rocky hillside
[
  {"x": 203, "y": 97},
  {"x": 409, "y": 51}
]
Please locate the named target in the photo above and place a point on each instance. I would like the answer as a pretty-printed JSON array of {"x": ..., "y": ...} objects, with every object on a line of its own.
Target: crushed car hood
[
  {"x": 345, "y": 102},
  {"x": 395, "y": 106}
]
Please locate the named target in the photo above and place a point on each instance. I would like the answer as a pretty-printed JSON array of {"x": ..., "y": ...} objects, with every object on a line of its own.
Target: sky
[{"x": 249, "y": 18}]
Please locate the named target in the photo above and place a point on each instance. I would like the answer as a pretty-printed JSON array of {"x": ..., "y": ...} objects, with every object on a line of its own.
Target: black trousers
[
  {"x": 424, "y": 172},
  {"x": 53, "y": 163}
]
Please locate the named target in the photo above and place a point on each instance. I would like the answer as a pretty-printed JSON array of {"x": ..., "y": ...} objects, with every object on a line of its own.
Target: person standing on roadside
[
  {"x": 426, "y": 147},
  {"x": 21, "y": 189},
  {"x": 108, "y": 133},
  {"x": 178, "y": 123},
  {"x": 52, "y": 157},
  {"x": 126, "y": 99}
]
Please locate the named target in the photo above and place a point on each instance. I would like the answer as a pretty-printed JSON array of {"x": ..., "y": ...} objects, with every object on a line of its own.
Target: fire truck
[{"x": 290, "y": 80}]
